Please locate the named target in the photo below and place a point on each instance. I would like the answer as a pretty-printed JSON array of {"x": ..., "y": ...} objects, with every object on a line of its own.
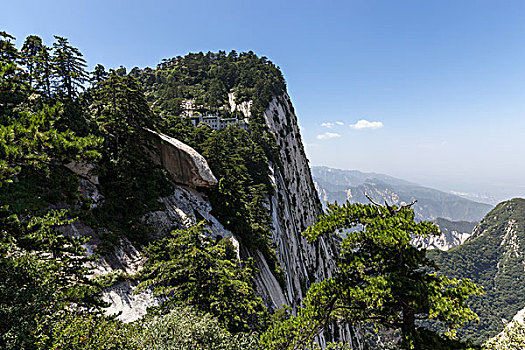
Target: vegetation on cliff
[
  {"x": 382, "y": 279},
  {"x": 53, "y": 112},
  {"x": 492, "y": 258}
]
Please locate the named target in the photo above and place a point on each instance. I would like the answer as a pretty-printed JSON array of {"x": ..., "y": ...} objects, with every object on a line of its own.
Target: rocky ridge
[
  {"x": 294, "y": 206},
  {"x": 453, "y": 234},
  {"x": 492, "y": 257}
]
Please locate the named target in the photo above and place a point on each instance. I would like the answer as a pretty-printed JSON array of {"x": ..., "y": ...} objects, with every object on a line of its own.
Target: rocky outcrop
[
  {"x": 293, "y": 207},
  {"x": 181, "y": 209},
  {"x": 453, "y": 234},
  {"x": 84, "y": 170},
  {"x": 183, "y": 164},
  {"x": 243, "y": 107}
]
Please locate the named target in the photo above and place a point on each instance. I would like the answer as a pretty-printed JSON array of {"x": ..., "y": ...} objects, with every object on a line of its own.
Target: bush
[
  {"x": 185, "y": 329},
  {"x": 88, "y": 331}
]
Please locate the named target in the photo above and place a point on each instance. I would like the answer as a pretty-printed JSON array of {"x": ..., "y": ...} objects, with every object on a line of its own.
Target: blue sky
[{"x": 446, "y": 79}]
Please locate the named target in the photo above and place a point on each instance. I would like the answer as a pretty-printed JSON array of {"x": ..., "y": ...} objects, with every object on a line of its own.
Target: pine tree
[
  {"x": 8, "y": 51},
  {"x": 12, "y": 85},
  {"x": 99, "y": 74},
  {"x": 44, "y": 71},
  {"x": 381, "y": 279},
  {"x": 31, "y": 51},
  {"x": 68, "y": 68}
]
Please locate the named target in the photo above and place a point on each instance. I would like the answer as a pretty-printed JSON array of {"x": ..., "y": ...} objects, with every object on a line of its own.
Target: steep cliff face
[{"x": 294, "y": 205}]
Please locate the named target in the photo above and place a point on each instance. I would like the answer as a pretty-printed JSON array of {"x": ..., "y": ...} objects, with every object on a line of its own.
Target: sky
[{"x": 428, "y": 91}]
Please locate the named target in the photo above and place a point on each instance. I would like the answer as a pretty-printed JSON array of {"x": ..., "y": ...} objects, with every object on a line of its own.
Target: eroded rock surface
[{"x": 183, "y": 164}]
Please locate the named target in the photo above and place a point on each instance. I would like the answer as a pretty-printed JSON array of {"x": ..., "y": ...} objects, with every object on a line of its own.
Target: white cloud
[
  {"x": 327, "y": 125},
  {"x": 365, "y": 124},
  {"x": 330, "y": 125},
  {"x": 328, "y": 135}
]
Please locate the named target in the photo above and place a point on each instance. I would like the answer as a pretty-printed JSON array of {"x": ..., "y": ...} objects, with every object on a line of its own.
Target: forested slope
[{"x": 493, "y": 258}]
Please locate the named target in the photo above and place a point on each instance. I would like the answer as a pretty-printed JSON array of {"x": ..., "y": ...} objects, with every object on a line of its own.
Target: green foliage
[
  {"x": 42, "y": 271},
  {"x": 184, "y": 328},
  {"x": 31, "y": 53},
  {"x": 69, "y": 68},
  {"x": 118, "y": 106},
  {"x": 74, "y": 331},
  {"x": 12, "y": 85},
  {"x": 381, "y": 279},
  {"x": 129, "y": 181},
  {"x": 208, "y": 78},
  {"x": 33, "y": 192},
  {"x": 489, "y": 259},
  {"x": 193, "y": 268},
  {"x": 31, "y": 139},
  {"x": 131, "y": 187}
]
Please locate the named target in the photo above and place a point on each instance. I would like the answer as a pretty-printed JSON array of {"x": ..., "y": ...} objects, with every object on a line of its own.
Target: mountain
[
  {"x": 171, "y": 212},
  {"x": 342, "y": 185},
  {"x": 492, "y": 257},
  {"x": 453, "y": 233}
]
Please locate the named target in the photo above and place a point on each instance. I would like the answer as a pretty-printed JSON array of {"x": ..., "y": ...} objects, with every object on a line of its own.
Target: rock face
[
  {"x": 183, "y": 164},
  {"x": 453, "y": 234},
  {"x": 294, "y": 206},
  {"x": 84, "y": 170}
]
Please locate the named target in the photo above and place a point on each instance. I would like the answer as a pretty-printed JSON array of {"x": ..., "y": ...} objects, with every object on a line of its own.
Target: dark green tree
[
  {"x": 31, "y": 51},
  {"x": 42, "y": 271},
  {"x": 8, "y": 51},
  {"x": 12, "y": 80},
  {"x": 37, "y": 61},
  {"x": 120, "y": 109},
  {"x": 44, "y": 71},
  {"x": 42, "y": 267},
  {"x": 99, "y": 74},
  {"x": 191, "y": 267},
  {"x": 69, "y": 68},
  {"x": 381, "y": 279}
]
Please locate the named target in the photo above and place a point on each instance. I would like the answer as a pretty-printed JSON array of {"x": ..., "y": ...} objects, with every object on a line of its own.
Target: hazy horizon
[
  {"x": 490, "y": 193},
  {"x": 430, "y": 92}
]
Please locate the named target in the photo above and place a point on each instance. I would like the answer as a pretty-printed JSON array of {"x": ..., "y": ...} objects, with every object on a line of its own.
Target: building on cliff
[{"x": 216, "y": 122}]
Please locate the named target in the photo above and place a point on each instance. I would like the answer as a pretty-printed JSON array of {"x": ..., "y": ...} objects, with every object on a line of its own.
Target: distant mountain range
[{"x": 342, "y": 185}]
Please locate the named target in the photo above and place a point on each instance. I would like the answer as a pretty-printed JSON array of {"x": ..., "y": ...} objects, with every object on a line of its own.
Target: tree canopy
[{"x": 380, "y": 279}]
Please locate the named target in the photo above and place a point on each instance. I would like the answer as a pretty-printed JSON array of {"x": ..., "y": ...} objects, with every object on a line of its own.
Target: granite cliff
[{"x": 293, "y": 206}]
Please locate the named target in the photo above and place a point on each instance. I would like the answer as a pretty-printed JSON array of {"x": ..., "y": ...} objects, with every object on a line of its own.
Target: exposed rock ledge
[{"x": 183, "y": 164}]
